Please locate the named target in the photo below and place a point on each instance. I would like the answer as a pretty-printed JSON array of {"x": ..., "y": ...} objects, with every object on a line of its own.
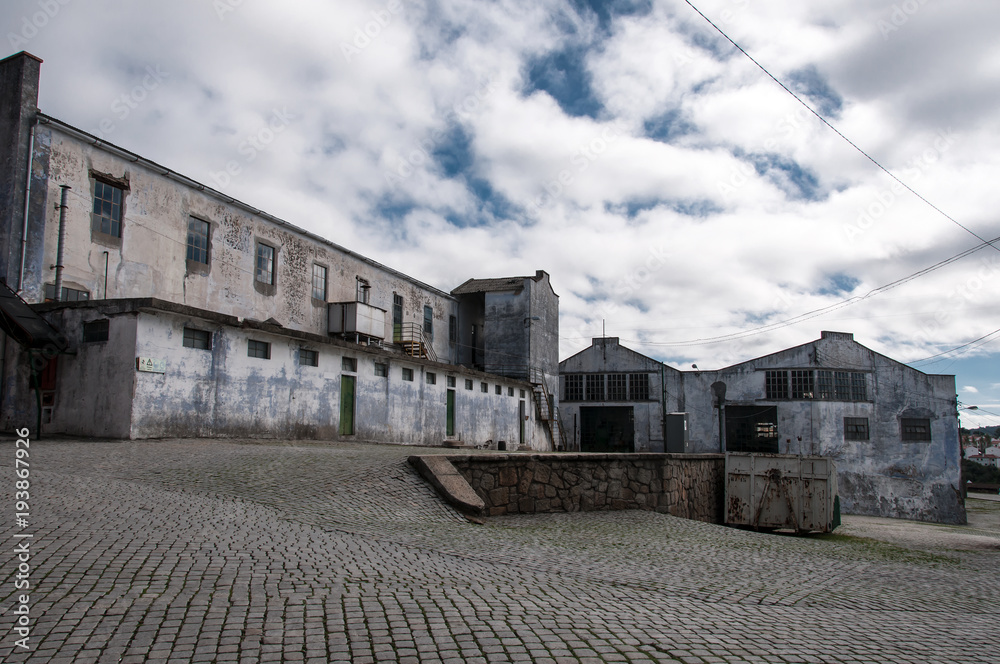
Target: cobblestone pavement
[{"x": 210, "y": 551}]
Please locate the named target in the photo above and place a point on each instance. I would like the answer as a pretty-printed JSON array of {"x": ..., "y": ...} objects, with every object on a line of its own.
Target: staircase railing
[{"x": 411, "y": 337}]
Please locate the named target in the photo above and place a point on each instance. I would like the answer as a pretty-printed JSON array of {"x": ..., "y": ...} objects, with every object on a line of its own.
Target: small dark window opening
[
  {"x": 197, "y": 240},
  {"x": 856, "y": 428},
  {"x": 95, "y": 331},
  {"x": 200, "y": 339},
  {"x": 308, "y": 358},
  {"x": 259, "y": 349},
  {"x": 915, "y": 428}
]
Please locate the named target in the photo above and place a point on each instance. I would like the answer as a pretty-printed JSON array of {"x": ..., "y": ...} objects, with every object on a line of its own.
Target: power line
[{"x": 837, "y": 131}]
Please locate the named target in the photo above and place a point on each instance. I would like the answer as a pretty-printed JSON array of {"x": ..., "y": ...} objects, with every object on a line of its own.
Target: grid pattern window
[
  {"x": 638, "y": 386},
  {"x": 107, "y": 209},
  {"x": 431, "y": 378},
  {"x": 468, "y": 383},
  {"x": 407, "y": 374},
  {"x": 319, "y": 283},
  {"x": 429, "y": 322},
  {"x": 308, "y": 358},
  {"x": 95, "y": 331},
  {"x": 841, "y": 385},
  {"x": 802, "y": 384},
  {"x": 200, "y": 339},
  {"x": 776, "y": 385},
  {"x": 856, "y": 428},
  {"x": 68, "y": 294},
  {"x": 349, "y": 364},
  {"x": 197, "y": 245},
  {"x": 573, "y": 387},
  {"x": 259, "y": 349},
  {"x": 381, "y": 369},
  {"x": 451, "y": 381},
  {"x": 859, "y": 387},
  {"x": 617, "y": 387},
  {"x": 265, "y": 264},
  {"x": 824, "y": 384},
  {"x": 915, "y": 429},
  {"x": 595, "y": 387}
]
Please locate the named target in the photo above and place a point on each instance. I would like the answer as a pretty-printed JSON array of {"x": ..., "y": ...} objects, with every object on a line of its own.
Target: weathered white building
[
  {"x": 893, "y": 430},
  {"x": 186, "y": 312}
]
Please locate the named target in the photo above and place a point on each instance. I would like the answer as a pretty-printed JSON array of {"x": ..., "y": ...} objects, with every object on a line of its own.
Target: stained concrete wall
[
  {"x": 149, "y": 260},
  {"x": 883, "y": 476},
  {"x": 224, "y": 392},
  {"x": 688, "y": 486},
  {"x": 606, "y": 356}
]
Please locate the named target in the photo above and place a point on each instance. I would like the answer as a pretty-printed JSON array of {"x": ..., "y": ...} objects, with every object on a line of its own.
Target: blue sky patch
[
  {"x": 797, "y": 182},
  {"x": 667, "y": 126},
  {"x": 809, "y": 82},
  {"x": 564, "y": 76},
  {"x": 839, "y": 284}
]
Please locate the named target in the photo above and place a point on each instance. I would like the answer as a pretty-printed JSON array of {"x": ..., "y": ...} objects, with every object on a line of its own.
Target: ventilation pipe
[
  {"x": 62, "y": 241},
  {"x": 27, "y": 206}
]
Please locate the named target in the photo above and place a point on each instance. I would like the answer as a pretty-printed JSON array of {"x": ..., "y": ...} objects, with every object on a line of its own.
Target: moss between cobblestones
[{"x": 885, "y": 552}]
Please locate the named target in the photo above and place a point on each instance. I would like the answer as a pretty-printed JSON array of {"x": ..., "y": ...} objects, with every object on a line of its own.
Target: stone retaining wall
[{"x": 691, "y": 486}]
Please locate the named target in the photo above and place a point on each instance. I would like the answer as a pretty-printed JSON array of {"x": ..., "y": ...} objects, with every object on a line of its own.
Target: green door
[
  {"x": 347, "y": 405},
  {"x": 450, "y": 424}
]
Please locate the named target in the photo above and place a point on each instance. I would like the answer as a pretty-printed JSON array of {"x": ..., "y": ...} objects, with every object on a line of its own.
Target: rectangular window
[
  {"x": 96, "y": 330},
  {"x": 841, "y": 385},
  {"x": 261, "y": 349},
  {"x": 308, "y": 358},
  {"x": 68, "y": 294},
  {"x": 510, "y": 391},
  {"x": 915, "y": 429},
  {"x": 407, "y": 374},
  {"x": 855, "y": 428},
  {"x": 451, "y": 381},
  {"x": 363, "y": 290},
  {"x": 431, "y": 378},
  {"x": 381, "y": 370},
  {"x": 802, "y": 384},
  {"x": 429, "y": 322},
  {"x": 468, "y": 383},
  {"x": 349, "y": 364},
  {"x": 573, "y": 388},
  {"x": 522, "y": 394},
  {"x": 638, "y": 385},
  {"x": 824, "y": 384},
  {"x": 197, "y": 245},
  {"x": 265, "y": 264},
  {"x": 483, "y": 387},
  {"x": 595, "y": 387},
  {"x": 319, "y": 283},
  {"x": 498, "y": 389},
  {"x": 201, "y": 339},
  {"x": 453, "y": 329},
  {"x": 859, "y": 387},
  {"x": 617, "y": 387},
  {"x": 107, "y": 216},
  {"x": 776, "y": 385}
]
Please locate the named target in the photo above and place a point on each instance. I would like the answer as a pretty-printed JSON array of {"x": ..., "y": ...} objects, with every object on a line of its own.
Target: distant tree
[{"x": 974, "y": 472}]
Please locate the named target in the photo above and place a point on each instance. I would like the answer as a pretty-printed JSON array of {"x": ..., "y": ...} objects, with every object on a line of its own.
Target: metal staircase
[
  {"x": 547, "y": 412},
  {"x": 410, "y": 337}
]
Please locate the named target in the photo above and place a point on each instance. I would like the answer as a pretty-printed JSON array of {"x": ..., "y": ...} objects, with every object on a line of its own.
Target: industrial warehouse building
[
  {"x": 179, "y": 311},
  {"x": 893, "y": 430}
]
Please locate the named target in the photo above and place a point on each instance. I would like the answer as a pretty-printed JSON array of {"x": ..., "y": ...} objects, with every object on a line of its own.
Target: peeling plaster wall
[
  {"x": 883, "y": 476},
  {"x": 149, "y": 260},
  {"x": 223, "y": 392}
]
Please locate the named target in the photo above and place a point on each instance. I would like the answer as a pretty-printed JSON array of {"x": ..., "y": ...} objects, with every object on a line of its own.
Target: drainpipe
[
  {"x": 62, "y": 241},
  {"x": 27, "y": 202},
  {"x": 106, "y": 258},
  {"x": 663, "y": 407}
]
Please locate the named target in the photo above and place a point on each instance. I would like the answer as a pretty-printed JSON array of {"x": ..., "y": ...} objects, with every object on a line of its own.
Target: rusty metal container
[{"x": 781, "y": 492}]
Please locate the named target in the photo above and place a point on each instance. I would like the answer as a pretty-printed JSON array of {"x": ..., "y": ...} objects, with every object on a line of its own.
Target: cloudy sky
[{"x": 680, "y": 198}]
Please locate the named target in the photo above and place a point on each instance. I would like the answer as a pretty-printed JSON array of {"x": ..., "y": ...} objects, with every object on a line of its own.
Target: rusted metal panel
[{"x": 781, "y": 491}]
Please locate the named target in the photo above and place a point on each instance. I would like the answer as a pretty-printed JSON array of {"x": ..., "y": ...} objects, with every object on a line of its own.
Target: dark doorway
[
  {"x": 607, "y": 429},
  {"x": 752, "y": 429}
]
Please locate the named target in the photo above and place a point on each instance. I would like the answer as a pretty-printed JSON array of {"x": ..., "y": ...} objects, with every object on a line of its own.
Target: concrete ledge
[{"x": 448, "y": 482}]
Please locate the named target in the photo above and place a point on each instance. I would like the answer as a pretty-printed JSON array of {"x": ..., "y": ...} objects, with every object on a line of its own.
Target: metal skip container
[{"x": 782, "y": 492}]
